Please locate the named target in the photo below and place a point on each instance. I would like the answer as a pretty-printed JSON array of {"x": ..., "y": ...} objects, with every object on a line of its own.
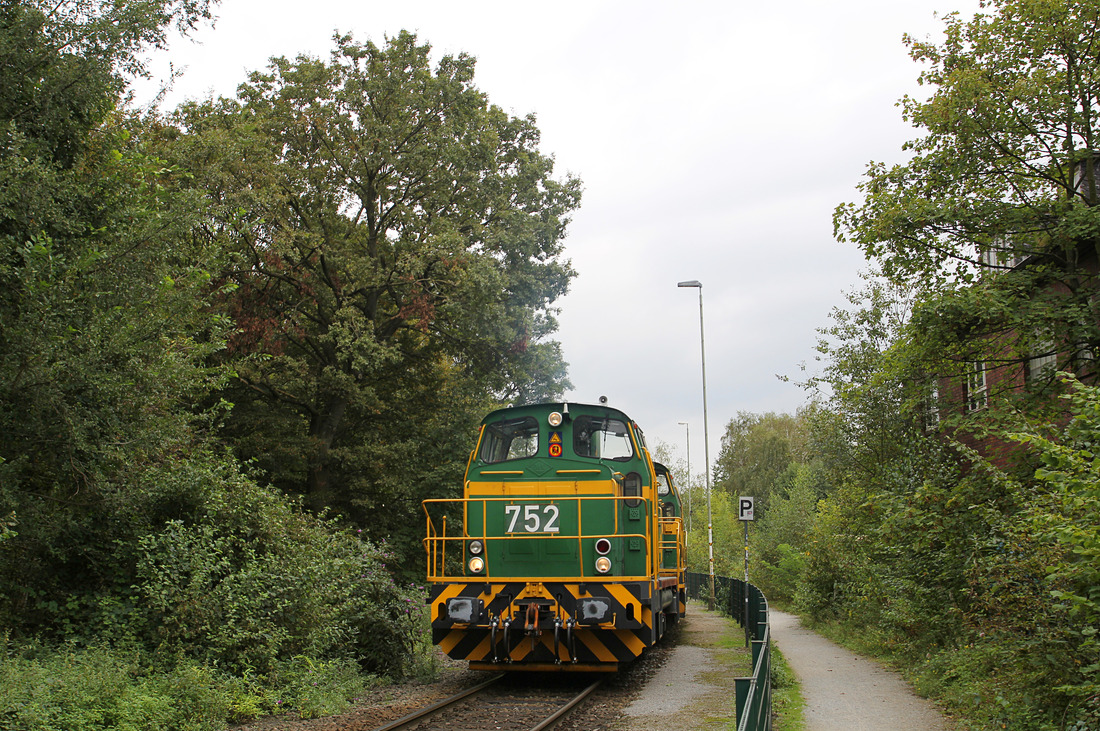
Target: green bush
[
  {"x": 74, "y": 689},
  {"x": 98, "y": 688},
  {"x": 776, "y": 562},
  {"x": 195, "y": 560},
  {"x": 248, "y": 581},
  {"x": 981, "y": 583}
]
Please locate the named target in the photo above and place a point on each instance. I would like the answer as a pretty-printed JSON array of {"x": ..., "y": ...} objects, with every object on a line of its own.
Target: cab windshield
[
  {"x": 510, "y": 439},
  {"x": 662, "y": 484},
  {"x": 602, "y": 438}
]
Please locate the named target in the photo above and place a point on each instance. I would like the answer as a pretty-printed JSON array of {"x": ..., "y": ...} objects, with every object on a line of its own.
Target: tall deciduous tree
[
  {"x": 869, "y": 385},
  {"x": 1006, "y": 170},
  {"x": 756, "y": 450},
  {"x": 118, "y": 522},
  {"x": 100, "y": 318},
  {"x": 398, "y": 247}
]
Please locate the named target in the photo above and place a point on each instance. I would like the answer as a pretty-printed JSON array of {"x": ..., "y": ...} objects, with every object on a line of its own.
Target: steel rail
[
  {"x": 544, "y": 725},
  {"x": 560, "y": 713},
  {"x": 438, "y": 706}
]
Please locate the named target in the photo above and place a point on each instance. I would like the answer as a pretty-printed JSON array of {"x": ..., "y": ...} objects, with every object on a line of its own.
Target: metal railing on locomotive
[
  {"x": 747, "y": 605},
  {"x": 437, "y": 540}
]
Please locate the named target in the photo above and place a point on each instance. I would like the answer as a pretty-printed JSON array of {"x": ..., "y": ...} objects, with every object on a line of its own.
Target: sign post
[{"x": 745, "y": 507}]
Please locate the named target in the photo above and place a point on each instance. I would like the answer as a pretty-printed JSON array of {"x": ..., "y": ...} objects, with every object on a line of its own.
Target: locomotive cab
[{"x": 672, "y": 535}]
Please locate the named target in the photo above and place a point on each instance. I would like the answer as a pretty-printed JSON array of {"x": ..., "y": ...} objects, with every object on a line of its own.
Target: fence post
[{"x": 741, "y": 691}]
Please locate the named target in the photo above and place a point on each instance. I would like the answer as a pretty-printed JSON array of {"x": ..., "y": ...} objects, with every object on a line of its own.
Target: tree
[
  {"x": 119, "y": 521},
  {"x": 102, "y": 331},
  {"x": 779, "y": 541},
  {"x": 1005, "y": 173},
  {"x": 397, "y": 245},
  {"x": 756, "y": 450},
  {"x": 870, "y": 390}
]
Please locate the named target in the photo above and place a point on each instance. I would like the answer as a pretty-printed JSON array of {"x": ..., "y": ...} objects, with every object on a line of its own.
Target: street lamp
[
  {"x": 706, "y": 435},
  {"x": 687, "y": 482}
]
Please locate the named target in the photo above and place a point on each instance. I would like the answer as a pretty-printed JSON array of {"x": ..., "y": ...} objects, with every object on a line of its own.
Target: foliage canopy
[
  {"x": 991, "y": 225},
  {"x": 994, "y": 218},
  {"x": 396, "y": 249},
  {"x": 123, "y": 524}
]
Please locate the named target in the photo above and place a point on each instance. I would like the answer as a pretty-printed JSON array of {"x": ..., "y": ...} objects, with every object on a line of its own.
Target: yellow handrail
[{"x": 436, "y": 539}]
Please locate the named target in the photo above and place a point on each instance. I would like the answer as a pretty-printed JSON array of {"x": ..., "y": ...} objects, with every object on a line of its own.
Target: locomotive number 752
[{"x": 533, "y": 522}]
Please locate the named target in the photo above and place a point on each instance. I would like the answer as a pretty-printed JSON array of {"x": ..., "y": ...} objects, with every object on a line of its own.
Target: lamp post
[
  {"x": 706, "y": 435},
  {"x": 687, "y": 482}
]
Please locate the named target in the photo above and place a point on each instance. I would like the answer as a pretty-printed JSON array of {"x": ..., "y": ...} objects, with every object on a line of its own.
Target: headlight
[
  {"x": 603, "y": 546},
  {"x": 476, "y": 547},
  {"x": 603, "y": 564},
  {"x": 554, "y": 419},
  {"x": 477, "y": 563}
]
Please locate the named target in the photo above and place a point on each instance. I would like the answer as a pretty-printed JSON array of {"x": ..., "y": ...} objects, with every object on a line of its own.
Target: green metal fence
[{"x": 747, "y": 605}]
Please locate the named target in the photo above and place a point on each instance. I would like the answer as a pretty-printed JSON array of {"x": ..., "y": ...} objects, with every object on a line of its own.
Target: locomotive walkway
[{"x": 843, "y": 692}]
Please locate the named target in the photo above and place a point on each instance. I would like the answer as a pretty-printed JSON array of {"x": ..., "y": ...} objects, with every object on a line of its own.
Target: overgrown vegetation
[
  {"x": 788, "y": 705},
  {"x": 236, "y": 340},
  {"x": 980, "y": 584},
  {"x": 201, "y": 518},
  {"x": 936, "y": 502}
]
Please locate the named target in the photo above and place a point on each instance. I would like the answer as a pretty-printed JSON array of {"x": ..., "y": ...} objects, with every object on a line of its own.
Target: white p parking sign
[{"x": 745, "y": 508}]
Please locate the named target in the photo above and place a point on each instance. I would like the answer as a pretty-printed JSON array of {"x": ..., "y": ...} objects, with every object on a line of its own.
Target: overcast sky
[{"x": 714, "y": 140}]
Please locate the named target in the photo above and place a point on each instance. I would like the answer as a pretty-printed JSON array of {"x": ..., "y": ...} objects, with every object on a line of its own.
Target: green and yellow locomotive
[{"x": 566, "y": 550}]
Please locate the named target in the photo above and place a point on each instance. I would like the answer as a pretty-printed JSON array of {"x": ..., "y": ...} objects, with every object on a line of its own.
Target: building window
[
  {"x": 1085, "y": 335},
  {"x": 977, "y": 395},
  {"x": 932, "y": 407},
  {"x": 1043, "y": 359},
  {"x": 1041, "y": 365},
  {"x": 1003, "y": 255}
]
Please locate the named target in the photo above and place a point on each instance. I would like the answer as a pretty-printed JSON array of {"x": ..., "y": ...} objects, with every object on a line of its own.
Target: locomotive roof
[{"x": 573, "y": 407}]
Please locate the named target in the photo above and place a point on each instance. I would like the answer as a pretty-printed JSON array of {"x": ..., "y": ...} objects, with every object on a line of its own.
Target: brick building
[{"x": 1057, "y": 279}]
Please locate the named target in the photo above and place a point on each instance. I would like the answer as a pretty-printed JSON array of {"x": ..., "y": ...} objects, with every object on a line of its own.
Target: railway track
[{"x": 503, "y": 703}]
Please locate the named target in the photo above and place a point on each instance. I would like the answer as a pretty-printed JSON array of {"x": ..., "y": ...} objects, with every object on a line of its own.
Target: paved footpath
[{"x": 845, "y": 692}]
